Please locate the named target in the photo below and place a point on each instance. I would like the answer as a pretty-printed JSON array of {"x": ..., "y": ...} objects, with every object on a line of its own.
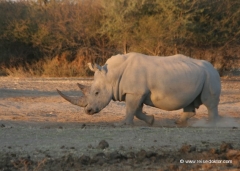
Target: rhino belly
[{"x": 170, "y": 102}]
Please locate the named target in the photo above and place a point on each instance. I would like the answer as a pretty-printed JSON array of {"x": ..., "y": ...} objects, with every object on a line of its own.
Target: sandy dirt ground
[{"x": 41, "y": 131}]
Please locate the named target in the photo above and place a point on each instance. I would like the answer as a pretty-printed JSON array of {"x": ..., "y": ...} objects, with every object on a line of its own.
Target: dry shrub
[
  {"x": 223, "y": 59},
  {"x": 26, "y": 70},
  {"x": 59, "y": 66},
  {"x": 67, "y": 65}
]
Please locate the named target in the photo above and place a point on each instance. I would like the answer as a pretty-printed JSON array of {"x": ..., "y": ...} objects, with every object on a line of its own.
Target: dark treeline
[{"x": 58, "y": 37}]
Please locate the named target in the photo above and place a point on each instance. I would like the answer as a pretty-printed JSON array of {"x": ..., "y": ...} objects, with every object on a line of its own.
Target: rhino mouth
[{"x": 91, "y": 111}]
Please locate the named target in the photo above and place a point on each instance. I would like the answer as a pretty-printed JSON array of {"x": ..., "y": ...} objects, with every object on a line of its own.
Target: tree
[{"x": 120, "y": 19}]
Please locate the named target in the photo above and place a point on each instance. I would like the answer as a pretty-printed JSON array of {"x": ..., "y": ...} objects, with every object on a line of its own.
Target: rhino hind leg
[
  {"x": 188, "y": 112},
  {"x": 210, "y": 98},
  {"x": 184, "y": 118},
  {"x": 212, "y": 107}
]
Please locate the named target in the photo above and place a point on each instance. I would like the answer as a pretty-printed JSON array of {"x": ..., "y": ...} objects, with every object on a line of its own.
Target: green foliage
[{"x": 35, "y": 36}]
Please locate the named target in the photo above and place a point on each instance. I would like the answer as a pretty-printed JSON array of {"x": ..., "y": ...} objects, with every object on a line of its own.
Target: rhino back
[{"x": 115, "y": 61}]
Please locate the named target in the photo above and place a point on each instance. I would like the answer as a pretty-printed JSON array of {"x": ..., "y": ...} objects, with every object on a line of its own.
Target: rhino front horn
[{"x": 79, "y": 101}]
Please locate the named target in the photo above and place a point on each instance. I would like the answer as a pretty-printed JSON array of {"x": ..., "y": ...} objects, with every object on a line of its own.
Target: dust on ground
[{"x": 41, "y": 131}]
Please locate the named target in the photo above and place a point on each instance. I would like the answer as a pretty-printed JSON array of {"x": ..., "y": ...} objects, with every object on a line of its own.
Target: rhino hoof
[
  {"x": 123, "y": 123},
  {"x": 181, "y": 122},
  {"x": 151, "y": 120}
]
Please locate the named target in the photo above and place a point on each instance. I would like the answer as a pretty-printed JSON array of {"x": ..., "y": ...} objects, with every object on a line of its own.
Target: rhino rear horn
[
  {"x": 83, "y": 88},
  {"x": 79, "y": 101}
]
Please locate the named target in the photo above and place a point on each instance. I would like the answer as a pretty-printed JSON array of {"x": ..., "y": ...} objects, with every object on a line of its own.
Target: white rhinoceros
[{"x": 168, "y": 83}]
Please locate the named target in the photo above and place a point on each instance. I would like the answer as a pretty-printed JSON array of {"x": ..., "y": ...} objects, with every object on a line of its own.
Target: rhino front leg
[
  {"x": 144, "y": 117},
  {"x": 133, "y": 102}
]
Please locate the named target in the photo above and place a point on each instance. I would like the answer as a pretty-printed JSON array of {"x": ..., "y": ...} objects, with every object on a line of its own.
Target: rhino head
[
  {"x": 95, "y": 97},
  {"x": 100, "y": 93}
]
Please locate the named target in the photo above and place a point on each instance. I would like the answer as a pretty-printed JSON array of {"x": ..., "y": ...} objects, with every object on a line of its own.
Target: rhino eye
[{"x": 96, "y": 93}]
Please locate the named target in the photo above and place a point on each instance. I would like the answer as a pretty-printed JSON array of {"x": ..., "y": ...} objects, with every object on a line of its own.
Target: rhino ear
[{"x": 94, "y": 67}]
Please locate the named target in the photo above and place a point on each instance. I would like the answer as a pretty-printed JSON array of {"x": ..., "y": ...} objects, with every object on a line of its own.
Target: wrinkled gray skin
[{"x": 168, "y": 83}]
